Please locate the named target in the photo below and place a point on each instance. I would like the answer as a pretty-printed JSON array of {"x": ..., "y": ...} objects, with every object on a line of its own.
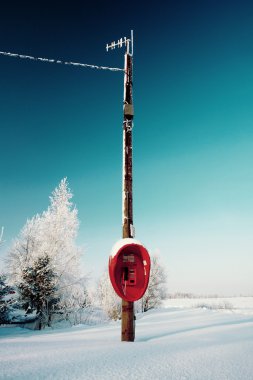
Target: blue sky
[{"x": 193, "y": 178}]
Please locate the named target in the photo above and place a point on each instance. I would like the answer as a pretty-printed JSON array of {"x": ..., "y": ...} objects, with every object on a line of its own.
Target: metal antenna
[{"x": 123, "y": 42}]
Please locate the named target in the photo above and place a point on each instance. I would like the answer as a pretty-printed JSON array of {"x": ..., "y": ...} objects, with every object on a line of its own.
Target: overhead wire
[{"x": 48, "y": 60}]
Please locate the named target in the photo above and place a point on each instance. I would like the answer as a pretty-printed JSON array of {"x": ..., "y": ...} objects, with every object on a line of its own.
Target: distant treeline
[{"x": 192, "y": 295}]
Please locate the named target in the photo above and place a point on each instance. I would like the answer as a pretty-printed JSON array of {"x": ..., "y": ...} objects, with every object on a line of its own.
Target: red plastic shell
[{"x": 129, "y": 271}]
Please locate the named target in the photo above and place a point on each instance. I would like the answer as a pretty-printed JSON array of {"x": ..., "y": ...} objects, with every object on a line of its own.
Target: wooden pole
[{"x": 127, "y": 315}]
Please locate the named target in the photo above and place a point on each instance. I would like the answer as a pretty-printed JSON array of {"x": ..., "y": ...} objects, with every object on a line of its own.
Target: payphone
[{"x": 129, "y": 268}]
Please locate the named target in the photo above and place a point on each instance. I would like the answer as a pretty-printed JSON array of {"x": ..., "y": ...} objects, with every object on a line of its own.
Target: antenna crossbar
[{"x": 120, "y": 43}]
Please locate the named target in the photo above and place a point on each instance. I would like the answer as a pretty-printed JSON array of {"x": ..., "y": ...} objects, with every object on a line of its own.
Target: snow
[
  {"x": 121, "y": 243},
  {"x": 172, "y": 343}
]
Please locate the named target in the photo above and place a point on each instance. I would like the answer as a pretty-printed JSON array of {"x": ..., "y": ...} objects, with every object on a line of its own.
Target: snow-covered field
[
  {"x": 175, "y": 342},
  {"x": 239, "y": 305}
]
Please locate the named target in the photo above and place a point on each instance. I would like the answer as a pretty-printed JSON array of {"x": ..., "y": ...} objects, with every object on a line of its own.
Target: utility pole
[{"x": 127, "y": 313}]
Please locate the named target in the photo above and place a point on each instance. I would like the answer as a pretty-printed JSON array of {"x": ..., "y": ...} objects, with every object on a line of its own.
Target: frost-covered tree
[
  {"x": 157, "y": 289},
  {"x": 49, "y": 238},
  {"x": 25, "y": 249},
  {"x": 1, "y": 236},
  {"x": 4, "y": 302},
  {"x": 8, "y": 300},
  {"x": 38, "y": 289},
  {"x": 107, "y": 298},
  {"x": 78, "y": 308},
  {"x": 5, "y": 289},
  {"x": 60, "y": 227}
]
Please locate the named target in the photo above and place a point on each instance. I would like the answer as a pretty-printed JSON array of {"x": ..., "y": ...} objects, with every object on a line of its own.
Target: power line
[{"x": 22, "y": 56}]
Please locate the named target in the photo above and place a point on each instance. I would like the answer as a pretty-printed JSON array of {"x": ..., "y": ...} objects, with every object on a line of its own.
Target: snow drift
[{"x": 171, "y": 344}]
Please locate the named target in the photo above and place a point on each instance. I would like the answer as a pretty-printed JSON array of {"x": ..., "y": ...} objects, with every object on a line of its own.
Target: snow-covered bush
[
  {"x": 222, "y": 305},
  {"x": 157, "y": 287},
  {"x": 77, "y": 308},
  {"x": 109, "y": 301}
]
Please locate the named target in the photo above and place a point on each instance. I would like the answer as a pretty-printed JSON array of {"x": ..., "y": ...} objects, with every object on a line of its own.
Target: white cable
[{"x": 22, "y": 56}]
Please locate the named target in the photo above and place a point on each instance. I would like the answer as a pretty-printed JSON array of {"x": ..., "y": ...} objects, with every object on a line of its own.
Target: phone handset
[{"x": 128, "y": 276}]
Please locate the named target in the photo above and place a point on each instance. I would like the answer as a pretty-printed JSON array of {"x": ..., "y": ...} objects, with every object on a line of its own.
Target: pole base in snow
[{"x": 127, "y": 322}]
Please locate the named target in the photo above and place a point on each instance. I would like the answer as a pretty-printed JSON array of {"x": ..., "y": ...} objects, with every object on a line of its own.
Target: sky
[{"x": 193, "y": 176}]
